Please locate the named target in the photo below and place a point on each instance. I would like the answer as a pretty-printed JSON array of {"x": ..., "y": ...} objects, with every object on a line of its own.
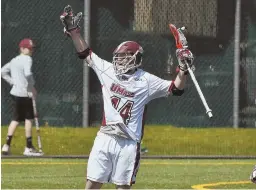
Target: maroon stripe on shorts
[
  {"x": 143, "y": 121},
  {"x": 136, "y": 165}
]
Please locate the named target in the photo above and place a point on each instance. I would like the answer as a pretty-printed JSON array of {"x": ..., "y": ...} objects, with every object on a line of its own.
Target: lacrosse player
[
  {"x": 18, "y": 74},
  {"x": 126, "y": 89}
]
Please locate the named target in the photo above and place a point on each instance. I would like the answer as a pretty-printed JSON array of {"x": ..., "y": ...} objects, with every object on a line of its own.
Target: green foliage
[{"x": 160, "y": 140}]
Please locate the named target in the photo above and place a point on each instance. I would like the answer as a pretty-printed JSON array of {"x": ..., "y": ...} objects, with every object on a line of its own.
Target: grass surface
[
  {"x": 160, "y": 140},
  {"x": 171, "y": 174}
]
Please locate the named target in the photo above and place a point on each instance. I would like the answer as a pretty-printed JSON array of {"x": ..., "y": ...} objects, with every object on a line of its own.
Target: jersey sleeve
[
  {"x": 5, "y": 72},
  {"x": 97, "y": 64},
  {"x": 28, "y": 72},
  {"x": 158, "y": 87}
]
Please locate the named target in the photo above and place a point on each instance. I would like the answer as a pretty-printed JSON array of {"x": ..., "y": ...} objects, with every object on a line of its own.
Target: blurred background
[
  {"x": 222, "y": 36},
  {"x": 69, "y": 95}
]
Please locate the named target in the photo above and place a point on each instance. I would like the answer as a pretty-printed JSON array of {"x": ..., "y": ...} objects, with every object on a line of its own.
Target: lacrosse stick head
[{"x": 180, "y": 39}]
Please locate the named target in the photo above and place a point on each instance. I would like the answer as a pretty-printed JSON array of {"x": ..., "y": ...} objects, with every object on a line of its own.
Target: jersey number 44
[{"x": 124, "y": 108}]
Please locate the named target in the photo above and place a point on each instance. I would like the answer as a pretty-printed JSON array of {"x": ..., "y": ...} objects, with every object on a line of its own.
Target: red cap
[{"x": 26, "y": 43}]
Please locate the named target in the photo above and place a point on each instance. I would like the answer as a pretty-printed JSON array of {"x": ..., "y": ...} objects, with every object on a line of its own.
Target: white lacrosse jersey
[{"x": 125, "y": 96}]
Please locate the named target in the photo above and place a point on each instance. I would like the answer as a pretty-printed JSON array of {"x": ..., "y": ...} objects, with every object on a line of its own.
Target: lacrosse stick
[
  {"x": 37, "y": 125},
  {"x": 181, "y": 43}
]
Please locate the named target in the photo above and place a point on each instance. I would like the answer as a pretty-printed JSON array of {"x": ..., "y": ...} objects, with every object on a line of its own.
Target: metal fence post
[
  {"x": 236, "y": 65},
  {"x": 87, "y": 8}
]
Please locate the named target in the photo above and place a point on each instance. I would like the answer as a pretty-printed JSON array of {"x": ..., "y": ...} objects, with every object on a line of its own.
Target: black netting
[
  {"x": 59, "y": 73},
  {"x": 211, "y": 40},
  {"x": 248, "y": 65},
  {"x": 57, "y": 70}
]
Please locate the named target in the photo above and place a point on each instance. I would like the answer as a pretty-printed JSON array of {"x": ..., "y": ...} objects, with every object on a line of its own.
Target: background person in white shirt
[{"x": 18, "y": 74}]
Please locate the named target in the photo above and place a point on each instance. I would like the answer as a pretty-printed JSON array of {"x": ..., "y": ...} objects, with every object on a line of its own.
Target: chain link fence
[
  {"x": 57, "y": 70},
  {"x": 59, "y": 73},
  {"x": 248, "y": 65}
]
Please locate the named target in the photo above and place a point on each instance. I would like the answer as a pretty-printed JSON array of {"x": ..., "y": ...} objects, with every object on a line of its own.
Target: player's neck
[
  {"x": 127, "y": 76},
  {"x": 25, "y": 54},
  {"x": 131, "y": 72}
]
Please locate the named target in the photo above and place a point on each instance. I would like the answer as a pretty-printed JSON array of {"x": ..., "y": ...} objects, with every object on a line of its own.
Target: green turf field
[
  {"x": 153, "y": 174},
  {"x": 160, "y": 140}
]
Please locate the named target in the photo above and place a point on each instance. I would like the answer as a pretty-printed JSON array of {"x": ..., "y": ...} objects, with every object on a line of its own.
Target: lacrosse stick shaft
[
  {"x": 208, "y": 110},
  {"x": 181, "y": 43},
  {"x": 37, "y": 124}
]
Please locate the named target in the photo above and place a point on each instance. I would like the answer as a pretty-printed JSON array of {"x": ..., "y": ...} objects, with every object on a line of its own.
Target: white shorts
[{"x": 113, "y": 160}]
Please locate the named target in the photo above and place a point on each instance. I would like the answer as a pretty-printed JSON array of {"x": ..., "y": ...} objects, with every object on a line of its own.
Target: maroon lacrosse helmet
[{"x": 127, "y": 56}]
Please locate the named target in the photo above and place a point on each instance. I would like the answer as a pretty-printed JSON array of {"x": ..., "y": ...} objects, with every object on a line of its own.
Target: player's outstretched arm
[
  {"x": 72, "y": 29},
  {"x": 161, "y": 88},
  {"x": 183, "y": 55}
]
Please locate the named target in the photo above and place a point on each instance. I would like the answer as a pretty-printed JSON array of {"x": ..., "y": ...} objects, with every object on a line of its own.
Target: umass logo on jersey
[{"x": 119, "y": 90}]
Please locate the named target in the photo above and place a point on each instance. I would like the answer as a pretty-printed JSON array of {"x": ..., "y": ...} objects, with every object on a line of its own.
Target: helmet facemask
[{"x": 124, "y": 62}]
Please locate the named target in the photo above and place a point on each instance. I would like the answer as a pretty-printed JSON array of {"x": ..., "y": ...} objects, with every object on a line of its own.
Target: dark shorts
[{"x": 22, "y": 108}]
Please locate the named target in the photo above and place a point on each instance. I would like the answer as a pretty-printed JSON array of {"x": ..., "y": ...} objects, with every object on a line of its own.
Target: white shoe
[
  {"x": 31, "y": 152},
  {"x": 144, "y": 150},
  {"x": 6, "y": 149},
  {"x": 253, "y": 175}
]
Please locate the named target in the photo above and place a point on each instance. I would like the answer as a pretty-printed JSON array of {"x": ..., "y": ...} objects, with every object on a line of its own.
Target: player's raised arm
[
  {"x": 183, "y": 55},
  {"x": 72, "y": 29},
  {"x": 162, "y": 88}
]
